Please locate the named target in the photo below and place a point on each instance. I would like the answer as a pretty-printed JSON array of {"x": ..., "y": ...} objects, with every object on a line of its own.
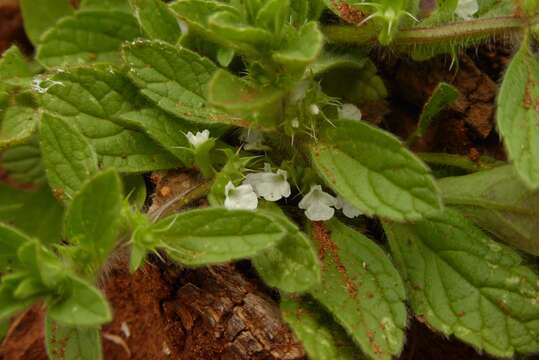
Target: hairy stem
[{"x": 448, "y": 33}]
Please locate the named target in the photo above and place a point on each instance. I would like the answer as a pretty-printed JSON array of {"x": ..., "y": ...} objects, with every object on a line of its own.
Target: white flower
[
  {"x": 347, "y": 209},
  {"x": 349, "y": 111},
  {"x": 242, "y": 197},
  {"x": 467, "y": 8},
  {"x": 200, "y": 138},
  {"x": 314, "y": 109},
  {"x": 269, "y": 185},
  {"x": 318, "y": 205}
]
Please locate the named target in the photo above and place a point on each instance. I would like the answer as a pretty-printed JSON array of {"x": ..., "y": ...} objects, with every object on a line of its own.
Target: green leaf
[
  {"x": 14, "y": 67},
  {"x": 157, "y": 20},
  {"x": 164, "y": 129},
  {"x": 93, "y": 218},
  {"x": 373, "y": 171},
  {"x": 302, "y": 48},
  {"x": 18, "y": 125},
  {"x": 441, "y": 97},
  {"x": 196, "y": 13},
  {"x": 215, "y": 235},
  {"x": 135, "y": 190},
  {"x": 10, "y": 241},
  {"x": 94, "y": 99},
  {"x": 41, "y": 15},
  {"x": 497, "y": 202},
  {"x": 37, "y": 213},
  {"x": 328, "y": 62},
  {"x": 114, "y": 5},
  {"x": 293, "y": 265},
  {"x": 23, "y": 163},
  {"x": 273, "y": 15},
  {"x": 9, "y": 305},
  {"x": 321, "y": 337},
  {"x": 175, "y": 79},
  {"x": 82, "y": 305},
  {"x": 72, "y": 342},
  {"x": 464, "y": 284},
  {"x": 42, "y": 265},
  {"x": 230, "y": 26},
  {"x": 68, "y": 157},
  {"x": 87, "y": 36},
  {"x": 518, "y": 114},
  {"x": 238, "y": 96},
  {"x": 362, "y": 290}
]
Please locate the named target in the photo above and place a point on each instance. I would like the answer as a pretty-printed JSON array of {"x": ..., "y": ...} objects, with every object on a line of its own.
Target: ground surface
[{"x": 224, "y": 312}]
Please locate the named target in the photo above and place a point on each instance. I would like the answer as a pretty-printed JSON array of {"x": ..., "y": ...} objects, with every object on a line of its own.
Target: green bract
[{"x": 264, "y": 108}]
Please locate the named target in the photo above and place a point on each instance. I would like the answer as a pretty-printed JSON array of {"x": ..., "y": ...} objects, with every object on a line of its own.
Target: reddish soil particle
[
  {"x": 347, "y": 12},
  {"x": 328, "y": 247}
]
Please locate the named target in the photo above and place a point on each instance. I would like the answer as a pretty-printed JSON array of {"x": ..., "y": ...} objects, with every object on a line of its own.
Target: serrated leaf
[
  {"x": 36, "y": 213},
  {"x": 373, "y": 171},
  {"x": 215, "y": 235},
  {"x": 93, "y": 218},
  {"x": 41, "y": 15},
  {"x": 518, "y": 114},
  {"x": 302, "y": 47},
  {"x": 196, "y": 14},
  {"x": 82, "y": 305},
  {"x": 94, "y": 99},
  {"x": 117, "y": 5},
  {"x": 321, "y": 337},
  {"x": 464, "y": 284},
  {"x": 18, "y": 125},
  {"x": 174, "y": 78},
  {"x": 164, "y": 129},
  {"x": 23, "y": 163},
  {"x": 10, "y": 241},
  {"x": 497, "y": 202},
  {"x": 157, "y": 20},
  {"x": 68, "y": 342},
  {"x": 87, "y": 36},
  {"x": 68, "y": 157},
  {"x": 362, "y": 289},
  {"x": 291, "y": 266}
]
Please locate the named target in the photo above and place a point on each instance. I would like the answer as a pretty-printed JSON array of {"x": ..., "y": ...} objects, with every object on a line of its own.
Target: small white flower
[
  {"x": 318, "y": 205},
  {"x": 269, "y": 185},
  {"x": 200, "y": 138},
  {"x": 467, "y": 8},
  {"x": 347, "y": 209},
  {"x": 184, "y": 28},
  {"x": 349, "y": 111},
  {"x": 242, "y": 197},
  {"x": 295, "y": 123},
  {"x": 314, "y": 109}
]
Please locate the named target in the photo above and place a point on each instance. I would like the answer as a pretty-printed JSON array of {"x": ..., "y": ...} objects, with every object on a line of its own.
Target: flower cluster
[{"x": 273, "y": 186}]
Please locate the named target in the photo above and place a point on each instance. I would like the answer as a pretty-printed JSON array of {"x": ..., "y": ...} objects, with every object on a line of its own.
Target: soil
[{"x": 164, "y": 311}]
